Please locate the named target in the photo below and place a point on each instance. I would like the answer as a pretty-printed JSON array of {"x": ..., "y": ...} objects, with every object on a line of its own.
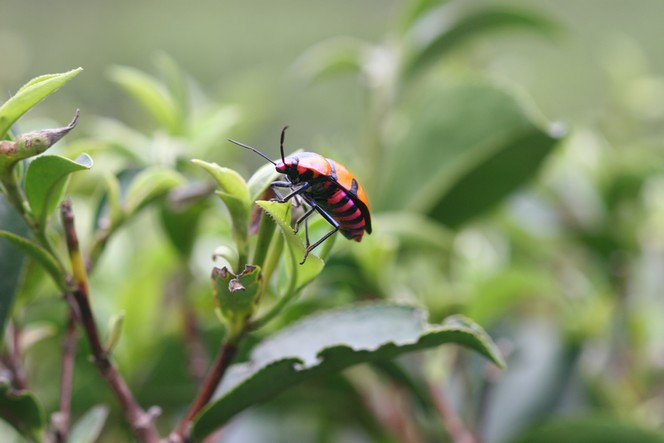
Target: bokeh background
[{"x": 564, "y": 268}]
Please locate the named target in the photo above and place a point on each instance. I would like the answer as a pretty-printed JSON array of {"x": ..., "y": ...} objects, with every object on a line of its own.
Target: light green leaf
[
  {"x": 150, "y": 184},
  {"x": 327, "y": 343},
  {"x": 88, "y": 428},
  {"x": 457, "y": 27},
  {"x": 299, "y": 275},
  {"x": 29, "y": 95},
  {"x": 41, "y": 256},
  {"x": 151, "y": 95},
  {"x": 45, "y": 181},
  {"x": 261, "y": 180},
  {"x": 467, "y": 146},
  {"x": 23, "y": 411},
  {"x": 416, "y": 9},
  {"x": 333, "y": 56}
]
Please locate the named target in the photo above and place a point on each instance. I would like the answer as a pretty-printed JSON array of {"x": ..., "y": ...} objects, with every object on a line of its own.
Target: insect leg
[
  {"x": 327, "y": 217},
  {"x": 295, "y": 192}
]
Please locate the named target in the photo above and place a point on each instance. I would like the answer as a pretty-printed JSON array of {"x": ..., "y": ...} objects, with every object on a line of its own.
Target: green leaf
[
  {"x": 11, "y": 260},
  {"x": 333, "y": 56},
  {"x": 148, "y": 185},
  {"x": 235, "y": 195},
  {"x": 467, "y": 146},
  {"x": 88, "y": 428},
  {"x": 41, "y": 256},
  {"x": 151, "y": 95},
  {"x": 237, "y": 295},
  {"x": 413, "y": 230},
  {"x": 261, "y": 180},
  {"x": 29, "y": 95},
  {"x": 457, "y": 27},
  {"x": 327, "y": 343},
  {"x": 590, "y": 429},
  {"x": 416, "y": 9},
  {"x": 299, "y": 275},
  {"x": 45, "y": 181},
  {"x": 23, "y": 411}
]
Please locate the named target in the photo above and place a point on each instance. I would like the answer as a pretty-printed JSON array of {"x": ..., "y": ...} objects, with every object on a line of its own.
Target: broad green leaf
[
  {"x": 88, "y": 428},
  {"x": 261, "y": 180},
  {"x": 333, "y": 56},
  {"x": 39, "y": 254},
  {"x": 151, "y": 95},
  {"x": 457, "y": 26},
  {"x": 300, "y": 275},
  {"x": 29, "y": 95},
  {"x": 45, "y": 181},
  {"x": 23, "y": 411},
  {"x": 328, "y": 343},
  {"x": 235, "y": 195},
  {"x": 590, "y": 429},
  {"x": 11, "y": 259},
  {"x": 148, "y": 185},
  {"x": 467, "y": 146}
]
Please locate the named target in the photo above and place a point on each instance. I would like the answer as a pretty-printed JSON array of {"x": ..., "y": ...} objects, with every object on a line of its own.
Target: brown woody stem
[{"x": 140, "y": 421}]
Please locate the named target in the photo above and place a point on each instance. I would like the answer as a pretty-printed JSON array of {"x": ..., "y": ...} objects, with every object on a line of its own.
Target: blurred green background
[{"x": 563, "y": 268}]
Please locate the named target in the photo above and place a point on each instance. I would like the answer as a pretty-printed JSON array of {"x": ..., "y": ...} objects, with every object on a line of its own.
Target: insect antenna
[
  {"x": 253, "y": 149},
  {"x": 281, "y": 144}
]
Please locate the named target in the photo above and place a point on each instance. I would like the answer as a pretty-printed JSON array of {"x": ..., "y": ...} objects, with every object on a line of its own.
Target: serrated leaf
[
  {"x": 45, "y": 181},
  {"x": 23, "y": 411},
  {"x": 151, "y": 95},
  {"x": 300, "y": 275},
  {"x": 29, "y": 95},
  {"x": 88, "y": 428},
  {"x": 456, "y": 27},
  {"x": 150, "y": 184},
  {"x": 330, "y": 342},
  {"x": 468, "y": 146},
  {"x": 39, "y": 254}
]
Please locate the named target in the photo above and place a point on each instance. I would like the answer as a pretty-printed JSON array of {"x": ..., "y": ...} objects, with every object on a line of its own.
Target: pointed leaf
[
  {"x": 88, "y": 428},
  {"x": 151, "y": 95},
  {"x": 300, "y": 275},
  {"x": 330, "y": 342},
  {"x": 29, "y": 95},
  {"x": 23, "y": 411},
  {"x": 41, "y": 256},
  {"x": 468, "y": 146},
  {"x": 261, "y": 180},
  {"x": 457, "y": 27},
  {"x": 45, "y": 181},
  {"x": 11, "y": 260},
  {"x": 150, "y": 184}
]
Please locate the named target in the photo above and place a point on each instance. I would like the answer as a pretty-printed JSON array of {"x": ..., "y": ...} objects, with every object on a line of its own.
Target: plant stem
[
  {"x": 212, "y": 380},
  {"x": 140, "y": 421},
  {"x": 453, "y": 424},
  {"x": 61, "y": 419},
  {"x": 13, "y": 357}
]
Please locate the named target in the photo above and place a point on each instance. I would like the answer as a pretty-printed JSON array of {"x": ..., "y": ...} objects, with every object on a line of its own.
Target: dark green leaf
[
  {"x": 45, "y": 181},
  {"x": 23, "y": 411},
  {"x": 328, "y": 343},
  {"x": 11, "y": 259},
  {"x": 590, "y": 430},
  {"x": 456, "y": 28},
  {"x": 29, "y": 95},
  {"x": 468, "y": 146},
  {"x": 41, "y": 255}
]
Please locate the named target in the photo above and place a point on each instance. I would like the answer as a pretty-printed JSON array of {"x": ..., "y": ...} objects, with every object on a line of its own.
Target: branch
[
  {"x": 13, "y": 358},
  {"x": 140, "y": 421},
  {"x": 452, "y": 422},
  {"x": 61, "y": 419},
  {"x": 221, "y": 364}
]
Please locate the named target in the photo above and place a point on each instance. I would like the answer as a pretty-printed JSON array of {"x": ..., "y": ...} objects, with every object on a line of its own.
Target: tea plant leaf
[
  {"x": 45, "y": 181},
  {"x": 329, "y": 342},
  {"x": 29, "y": 95},
  {"x": 469, "y": 145},
  {"x": 23, "y": 411}
]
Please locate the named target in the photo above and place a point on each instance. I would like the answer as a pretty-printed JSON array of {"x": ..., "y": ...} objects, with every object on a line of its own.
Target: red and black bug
[{"x": 326, "y": 187}]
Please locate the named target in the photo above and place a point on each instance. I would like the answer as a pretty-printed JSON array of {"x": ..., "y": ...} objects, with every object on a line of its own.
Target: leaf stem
[
  {"x": 140, "y": 421},
  {"x": 212, "y": 380},
  {"x": 61, "y": 419}
]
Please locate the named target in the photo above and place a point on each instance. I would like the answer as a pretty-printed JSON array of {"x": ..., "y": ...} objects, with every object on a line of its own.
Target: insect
[{"x": 326, "y": 187}]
